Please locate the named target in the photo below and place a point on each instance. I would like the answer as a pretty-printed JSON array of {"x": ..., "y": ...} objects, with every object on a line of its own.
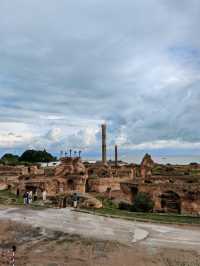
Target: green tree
[
  {"x": 10, "y": 159},
  {"x": 34, "y": 156},
  {"x": 143, "y": 203}
]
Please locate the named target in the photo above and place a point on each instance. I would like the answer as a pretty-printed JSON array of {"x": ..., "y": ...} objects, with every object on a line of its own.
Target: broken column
[
  {"x": 103, "y": 127},
  {"x": 116, "y": 155}
]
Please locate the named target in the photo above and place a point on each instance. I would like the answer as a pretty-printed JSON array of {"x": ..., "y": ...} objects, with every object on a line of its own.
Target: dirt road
[{"x": 103, "y": 228}]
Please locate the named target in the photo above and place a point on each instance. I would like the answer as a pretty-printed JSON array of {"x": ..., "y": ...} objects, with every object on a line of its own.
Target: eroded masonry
[{"x": 173, "y": 188}]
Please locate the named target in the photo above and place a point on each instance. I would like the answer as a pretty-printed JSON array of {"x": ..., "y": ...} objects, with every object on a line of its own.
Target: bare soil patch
[{"x": 39, "y": 246}]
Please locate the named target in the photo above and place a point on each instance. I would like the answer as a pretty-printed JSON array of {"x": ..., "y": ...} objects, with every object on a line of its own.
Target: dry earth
[{"x": 57, "y": 237}]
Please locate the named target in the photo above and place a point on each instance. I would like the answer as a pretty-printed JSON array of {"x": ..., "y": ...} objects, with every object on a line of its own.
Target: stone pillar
[
  {"x": 103, "y": 127},
  {"x": 116, "y": 155}
]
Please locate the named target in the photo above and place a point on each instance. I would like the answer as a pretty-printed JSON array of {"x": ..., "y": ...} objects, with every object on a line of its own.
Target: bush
[
  {"x": 123, "y": 205},
  {"x": 10, "y": 159},
  {"x": 143, "y": 203}
]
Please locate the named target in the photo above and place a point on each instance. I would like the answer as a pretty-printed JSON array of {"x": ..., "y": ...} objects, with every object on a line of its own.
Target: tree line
[{"x": 27, "y": 157}]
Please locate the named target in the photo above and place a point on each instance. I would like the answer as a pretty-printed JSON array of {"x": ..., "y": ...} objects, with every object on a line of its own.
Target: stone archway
[{"x": 171, "y": 202}]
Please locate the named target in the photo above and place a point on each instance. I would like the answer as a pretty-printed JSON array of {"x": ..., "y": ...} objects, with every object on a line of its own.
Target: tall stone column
[
  {"x": 116, "y": 155},
  {"x": 103, "y": 127}
]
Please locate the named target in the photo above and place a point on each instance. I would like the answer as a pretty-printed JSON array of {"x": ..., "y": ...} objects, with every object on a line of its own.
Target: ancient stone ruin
[{"x": 173, "y": 188}]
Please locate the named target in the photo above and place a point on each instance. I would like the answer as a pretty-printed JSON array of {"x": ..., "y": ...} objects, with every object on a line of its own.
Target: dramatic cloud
[{"x": 67, "y": 66}]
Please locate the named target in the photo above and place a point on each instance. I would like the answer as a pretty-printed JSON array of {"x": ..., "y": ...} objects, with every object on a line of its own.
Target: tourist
[
  {"x": 75, "y": 200},
  {"x": 44, "y": 195},
  {"x": 30, "y": 196},
  {"x": 25, "y": 198},
  {"x": 17, "y": 193}
]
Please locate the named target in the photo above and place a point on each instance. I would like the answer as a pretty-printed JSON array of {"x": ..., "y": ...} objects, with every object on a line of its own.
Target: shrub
[
  {"x": 143, "y": 203},
  {"x": 10, "y": 159},
  {"x": 123, "y": 205}
]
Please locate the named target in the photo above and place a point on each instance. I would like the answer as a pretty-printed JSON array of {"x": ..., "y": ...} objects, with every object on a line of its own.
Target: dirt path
[
  {"x": 103, "y": 228},
  {"x": 59, "y": 237}
]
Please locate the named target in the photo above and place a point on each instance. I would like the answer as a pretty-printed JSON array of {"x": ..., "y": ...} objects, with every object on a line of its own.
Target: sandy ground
[{"x": 63, "y": 237}]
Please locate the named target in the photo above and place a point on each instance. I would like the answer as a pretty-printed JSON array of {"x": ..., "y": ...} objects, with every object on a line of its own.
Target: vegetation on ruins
[
  {"x": 112, "y": 210},
  {"x": 143, "y": 203},
  {"x": 124, "y": 210},
  {"x": 29, "y": 156},
  {"x": 146, "y": 217},
  {"x": 123, "y": 205}
]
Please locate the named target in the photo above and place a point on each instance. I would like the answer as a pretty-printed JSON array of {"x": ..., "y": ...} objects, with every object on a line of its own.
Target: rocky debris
[
  {"x": 91, "y": 203},
  {"x": 84, "y": 200}
]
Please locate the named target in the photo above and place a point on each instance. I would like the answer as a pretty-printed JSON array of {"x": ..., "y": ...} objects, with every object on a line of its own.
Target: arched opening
[
  {"x": 70, "y": 184},
  {"x": 103, "y": 173},
  {"x": 171, "y": 202},
  {"x": 90, "y": 172},
  {"x": 31, "y": 188}
]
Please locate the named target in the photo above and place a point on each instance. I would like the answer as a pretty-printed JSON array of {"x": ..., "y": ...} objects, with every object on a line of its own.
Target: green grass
[
  {"x": 195, "y": 172},
  {"x": 111, "y": 210},
  {"x": 9, "y": 198},
  {"x": 154, "y": 217}
]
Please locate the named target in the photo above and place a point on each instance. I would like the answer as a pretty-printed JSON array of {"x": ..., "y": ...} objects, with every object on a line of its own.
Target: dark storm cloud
[{"x": 66, "y": 66}]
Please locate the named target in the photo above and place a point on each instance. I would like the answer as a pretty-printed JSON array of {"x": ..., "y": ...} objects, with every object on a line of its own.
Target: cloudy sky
[{"x": 67, "y": 66}]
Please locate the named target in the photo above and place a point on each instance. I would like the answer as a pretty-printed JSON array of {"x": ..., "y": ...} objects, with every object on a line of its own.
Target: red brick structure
[{"x": 172, "y": 188}]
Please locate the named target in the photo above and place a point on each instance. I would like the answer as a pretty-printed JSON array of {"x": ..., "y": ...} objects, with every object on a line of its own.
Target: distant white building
[{"x": 50, "y": 164}]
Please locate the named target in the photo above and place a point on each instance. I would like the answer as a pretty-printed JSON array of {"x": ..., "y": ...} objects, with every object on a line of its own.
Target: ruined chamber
[{"x": 173, "y": 188}]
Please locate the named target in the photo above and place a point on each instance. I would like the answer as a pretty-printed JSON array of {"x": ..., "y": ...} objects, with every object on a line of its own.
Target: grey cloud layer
[{"x": 134, "y": 64}]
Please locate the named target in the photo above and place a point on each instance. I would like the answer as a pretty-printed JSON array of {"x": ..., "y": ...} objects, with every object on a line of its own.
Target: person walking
[
  {"x": 44, "y": 195},
  {"x": 25, "y": 198},
  {"x": 75, "y": 200},
  {"x": 30, "y": 196}
]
